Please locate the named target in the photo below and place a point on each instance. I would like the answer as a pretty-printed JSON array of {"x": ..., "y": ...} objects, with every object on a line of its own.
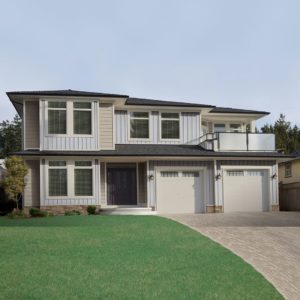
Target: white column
[{"x": 252, "y": 126}]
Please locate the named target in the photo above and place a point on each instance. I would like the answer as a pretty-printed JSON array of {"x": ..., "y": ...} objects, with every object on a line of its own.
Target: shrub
[
  {"x": 91, "y": 209},
  {"x": 37, "y": 213},
  {"x": 17, "y": 214},
  {"x": 72, "y": 213}
]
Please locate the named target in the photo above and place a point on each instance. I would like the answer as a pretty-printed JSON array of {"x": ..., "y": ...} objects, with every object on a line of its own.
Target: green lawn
[{"x": 119, "y": 257}]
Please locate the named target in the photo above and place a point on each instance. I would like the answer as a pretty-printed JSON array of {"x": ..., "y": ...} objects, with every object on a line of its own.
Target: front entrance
[{"x": 121, "y": 185}]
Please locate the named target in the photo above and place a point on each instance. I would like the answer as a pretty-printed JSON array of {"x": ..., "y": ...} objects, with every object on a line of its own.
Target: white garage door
[
  {"x": 179, "y": 191},
  {"x": 245, "y": 190}
]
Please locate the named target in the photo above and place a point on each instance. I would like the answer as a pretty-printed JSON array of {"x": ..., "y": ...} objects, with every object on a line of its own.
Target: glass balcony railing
[{"x": 238, "y": 141}]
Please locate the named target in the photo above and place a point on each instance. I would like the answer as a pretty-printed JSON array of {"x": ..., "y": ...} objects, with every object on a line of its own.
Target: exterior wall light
[
  {"x": 274, "y": 176},
  {"x": 151, "y": 177},
  {"x": 218, "y": 176}
]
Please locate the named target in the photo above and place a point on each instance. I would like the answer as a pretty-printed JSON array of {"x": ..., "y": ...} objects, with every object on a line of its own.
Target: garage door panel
[
  {"x": 245, "y": 190},
  {"x": 180, "y": 193}
]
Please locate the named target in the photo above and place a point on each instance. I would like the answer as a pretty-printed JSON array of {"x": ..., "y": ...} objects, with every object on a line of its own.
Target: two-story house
[{"x": 113, "y": 151}]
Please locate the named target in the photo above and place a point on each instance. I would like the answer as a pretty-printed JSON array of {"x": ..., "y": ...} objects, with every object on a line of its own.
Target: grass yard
[{"x": 119, "y": 257}]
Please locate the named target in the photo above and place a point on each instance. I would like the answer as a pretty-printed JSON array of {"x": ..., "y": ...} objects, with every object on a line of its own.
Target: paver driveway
[{"x": 270, "y": 242}]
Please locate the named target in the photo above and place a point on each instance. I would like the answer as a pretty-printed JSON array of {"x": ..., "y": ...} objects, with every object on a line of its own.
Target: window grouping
[
  {"x": 80, "y": 173},
  {"x": 59, "y": 114}
]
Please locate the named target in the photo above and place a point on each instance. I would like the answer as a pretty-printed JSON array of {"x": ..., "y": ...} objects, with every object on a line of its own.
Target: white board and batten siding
[
  {"x": 68, "y": 142},
  {"x": 189, "y": 129}
]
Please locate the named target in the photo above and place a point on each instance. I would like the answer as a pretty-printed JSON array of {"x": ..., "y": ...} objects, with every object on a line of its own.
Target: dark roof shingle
[
  {"x": 151, "y": 102},
  {"x": 65, "y": 93},
  {"x": 152, "y": 150},
  {"x": 230, "y": 110}
]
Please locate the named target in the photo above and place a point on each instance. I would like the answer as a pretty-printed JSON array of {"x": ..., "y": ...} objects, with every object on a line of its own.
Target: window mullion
[{"x": 70, "y": 118}]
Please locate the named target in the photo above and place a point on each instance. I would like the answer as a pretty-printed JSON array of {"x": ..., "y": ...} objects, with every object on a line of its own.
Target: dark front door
[{"x": 121, "y": 186}]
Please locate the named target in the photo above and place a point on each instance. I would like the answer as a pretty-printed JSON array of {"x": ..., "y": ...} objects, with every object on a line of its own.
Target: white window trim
[
  {"x": 83, "y": 109},
  {"x": 70, "y": 166},
  {"x": 160, "y": 126},
  {"x": 69, "y": 117},
  {"x": 47, "y": 114},
  {"x": 91, "y": 167},
  {"x": 128, "y": 125}
]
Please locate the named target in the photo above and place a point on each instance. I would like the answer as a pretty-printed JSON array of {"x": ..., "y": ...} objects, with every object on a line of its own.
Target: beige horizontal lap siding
[
  {"x": 142, "y": 183},
  {"x": 103, "y": 183},
  {"x": 32, "y": 123},
  {"x": 106, "y": 126},
  {"x": 32, "y": 188}
]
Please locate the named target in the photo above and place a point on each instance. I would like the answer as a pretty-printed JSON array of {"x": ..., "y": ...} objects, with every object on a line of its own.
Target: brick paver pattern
[{"x": 270, "y": 242}]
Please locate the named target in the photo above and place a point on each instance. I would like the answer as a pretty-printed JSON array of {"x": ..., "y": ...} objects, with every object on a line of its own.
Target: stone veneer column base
[
  {"x": 214, "y": 209},
  {"x": 275, "y": 207},
  {"x": 61, "y": 209}
]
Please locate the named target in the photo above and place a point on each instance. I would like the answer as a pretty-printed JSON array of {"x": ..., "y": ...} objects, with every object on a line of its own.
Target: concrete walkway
[{"x": 270, "y": 242}]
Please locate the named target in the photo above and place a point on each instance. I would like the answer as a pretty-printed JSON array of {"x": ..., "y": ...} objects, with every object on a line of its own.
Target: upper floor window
[
  {"x": 288, "y": 170},
  {"x": 82, "y": 117},
  {"x": 57, "y": 117},
  {"x": 219, "y": 127},
  {"x": 139, "y": 125},
  {"x": 170, "y": 126}
]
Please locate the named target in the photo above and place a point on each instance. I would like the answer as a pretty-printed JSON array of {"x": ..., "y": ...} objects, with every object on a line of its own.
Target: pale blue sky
[{"x": 243, "y": 54}]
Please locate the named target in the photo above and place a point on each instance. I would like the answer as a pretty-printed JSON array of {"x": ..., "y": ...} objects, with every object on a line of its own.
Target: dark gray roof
[
  {"x": 65, "y": 93},
  {"x": 151, "y": 102},
  {"x": 229, "y": 110},
  {"x": 124, "y": 150},
  {"x": 129, "y": 101}
]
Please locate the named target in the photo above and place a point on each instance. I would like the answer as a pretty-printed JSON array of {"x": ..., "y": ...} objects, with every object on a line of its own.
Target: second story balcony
[{"x": 238, "y": 141}]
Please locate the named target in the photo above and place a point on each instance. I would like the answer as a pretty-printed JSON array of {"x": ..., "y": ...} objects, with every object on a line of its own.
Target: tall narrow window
[
  {"x": 83, "y": 178},
  {"x": 57, "y": 117},
  {"x": 170, "y": 127},
  {"x": 288, "y": 169},
  {"x": 219, "y": 127},
  {"x": 58, "y": 178},
  {"x": 139, "y": 125},
  {"x": 82, "y": 118}
]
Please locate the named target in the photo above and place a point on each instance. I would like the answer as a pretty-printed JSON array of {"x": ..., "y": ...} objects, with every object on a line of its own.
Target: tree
[
  {"x": 10, "y": 137},
  {"x": 287, "y": 137},
  {"x": 14, "y": 180}
]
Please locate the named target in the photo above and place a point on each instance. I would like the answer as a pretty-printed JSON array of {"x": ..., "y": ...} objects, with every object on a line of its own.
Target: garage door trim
[
  {"x": 268, "y": 170},
  {"x": 203, "y": 173}
]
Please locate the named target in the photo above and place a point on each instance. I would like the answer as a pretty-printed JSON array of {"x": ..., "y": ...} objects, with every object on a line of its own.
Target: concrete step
[{"x": 127, "y": 211}]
